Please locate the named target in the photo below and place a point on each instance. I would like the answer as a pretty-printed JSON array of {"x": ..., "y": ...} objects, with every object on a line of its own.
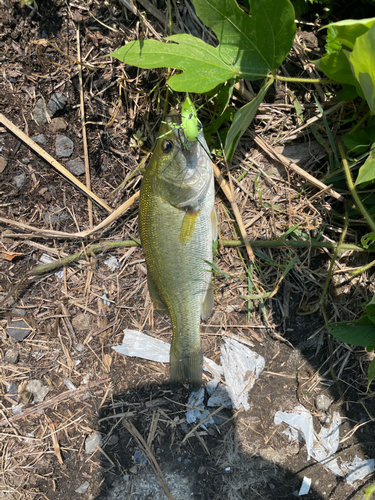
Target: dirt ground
[{"x": 59, "y": 329}]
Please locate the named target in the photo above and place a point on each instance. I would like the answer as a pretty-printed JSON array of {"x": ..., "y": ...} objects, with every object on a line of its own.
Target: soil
[{"x": 75, "y": 318}]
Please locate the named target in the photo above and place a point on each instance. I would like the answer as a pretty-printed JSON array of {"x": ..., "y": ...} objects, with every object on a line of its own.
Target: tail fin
[{"x": 186, "y": 367}]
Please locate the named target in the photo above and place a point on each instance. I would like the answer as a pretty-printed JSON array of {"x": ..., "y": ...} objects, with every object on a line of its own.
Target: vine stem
[
  {"x": 303, "y": 80},
  {"x": 353, "y": 191}
]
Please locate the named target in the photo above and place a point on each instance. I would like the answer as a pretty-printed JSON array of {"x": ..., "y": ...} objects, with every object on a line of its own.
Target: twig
[
  {"x": 84, "y": 136},
  {"x": 288, "y": 163},
  {"x": 228, "y": 191},
  {"x": 201, "y": 423},
  {"x": 33, "y": 145},
  {"x": 74, "y": 393},
  {"x": 48, "y": 233},
  {"x": 147, "y": 450}
]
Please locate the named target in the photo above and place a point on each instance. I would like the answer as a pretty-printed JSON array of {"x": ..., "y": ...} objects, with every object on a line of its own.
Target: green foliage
[
  {"x": 350, "y": 56},
  {"x": 360, "y": 332},
  {"x": 250, "y": 46}
]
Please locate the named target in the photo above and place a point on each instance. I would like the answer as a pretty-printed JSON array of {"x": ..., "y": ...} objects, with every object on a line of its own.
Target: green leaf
[
  {"x": 202, "y": 64},
  {"x": 370, "y": 309},
  {"x": 349, "y": 30},
  {"x": 362, "y": 61},
  {"x": 371, "y": 373},
  {"x": 358, "y": 142},
  {"x": 249, "y": 47},
  {"x": 358, "y": 332},
  {"x": 253, "y": 45},
  {"x": 368, "y": 240},
  {"x": 337, "y": 67},
  {"x": 367, "y": 171},
  {"x": 332, "y": 43},
  {"x": 242, "y": 120}
]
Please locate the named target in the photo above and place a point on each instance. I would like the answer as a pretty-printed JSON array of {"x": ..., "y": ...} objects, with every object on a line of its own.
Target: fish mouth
[{"x": 198, "y": 170}]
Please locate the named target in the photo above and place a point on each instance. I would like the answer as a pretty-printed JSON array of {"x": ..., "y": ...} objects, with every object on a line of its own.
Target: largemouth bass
[{"x": 177, "y": 225}]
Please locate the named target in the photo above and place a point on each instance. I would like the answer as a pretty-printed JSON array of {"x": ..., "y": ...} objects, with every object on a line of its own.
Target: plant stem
[
  {"x": 293, "y": 244},
  {"x": 353, "y": 191},
  {"x": 303, "y": 80}
]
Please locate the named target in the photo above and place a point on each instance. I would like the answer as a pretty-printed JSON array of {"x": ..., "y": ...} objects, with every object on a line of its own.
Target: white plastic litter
[
  {"x": 301, "y": 420},
  {"x": 305, "y": 486},
  {"x": 47, "y": 259},
  {"x": 240, "y": 366},
  {"x": 323, "y": 448},
  {"x": 194, "y": 415},
  {"x": 112, "y": 263},
  {"x": 140, "y": 345},
  {"x": 358, "y": 468}
]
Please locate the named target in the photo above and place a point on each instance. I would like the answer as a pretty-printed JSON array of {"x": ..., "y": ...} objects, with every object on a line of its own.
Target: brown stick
[
  {"x": 54, "y": 401},
  {"x": 289, "y": 164},
  {"x": 33, "y": 145},
  {"x": 48, "y": 233}
]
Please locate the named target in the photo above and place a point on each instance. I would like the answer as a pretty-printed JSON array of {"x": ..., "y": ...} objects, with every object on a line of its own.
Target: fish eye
[{"x": 167, "y": 146}]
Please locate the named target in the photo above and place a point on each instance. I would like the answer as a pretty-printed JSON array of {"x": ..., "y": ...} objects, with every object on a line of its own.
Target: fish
[{"x": 177, "y": 226}]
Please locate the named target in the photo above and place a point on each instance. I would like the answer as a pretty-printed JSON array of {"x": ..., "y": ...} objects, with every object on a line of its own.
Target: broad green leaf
[
  {"x": 370, "y": 309},
  {"x": 362, "y": 61},
  {"x": 349, "y": 30},
  {"x": 242, "y": 120},
  {"x": 358, "y": 142},
  {"x": 202, "y": 64},
  {"x": 252, "y": 45},
  {"x": 367, "y": 171},
  {"x": 358, "y": 332},
  {"x": 371, "y": 373},
  {"x": 337, "y": 67},
  {"x": 249, "y": 47}
]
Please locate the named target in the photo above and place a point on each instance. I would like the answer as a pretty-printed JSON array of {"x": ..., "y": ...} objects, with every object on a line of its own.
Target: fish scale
[{"x": 177, "y": 226}]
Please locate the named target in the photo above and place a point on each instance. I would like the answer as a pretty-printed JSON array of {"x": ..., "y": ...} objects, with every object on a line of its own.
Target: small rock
[
  {"x": 139, "y": 457},
  {"x": 80, "y": 347},
  {"x": 64, "y": 146},
  {"x": 11, "y": 356},
  {"x": 55, "y": 215},
  {"x": 56, "y": 103},
  {"x": 3, "y": 164},
  {"x": 92, "y": 442},
  {"x": 19, "y": 180},
  {"x": 77, "y": 167},
  {"x": 57, "y": 124},
  {"x": 322, "y": 402},
  {"x": 18, "y": 330},
  {"x": 38, "y": 390},
  {"x": 126, "y": 478},
  {"x": 83, "y": 488},
  {"x": 40, "y": 139},
  {"x": 82, "y": 322},
  {"x": 12, "y": 388},
  {"x": 40, "y": 112},
  {"x": 113, "y": 440}
]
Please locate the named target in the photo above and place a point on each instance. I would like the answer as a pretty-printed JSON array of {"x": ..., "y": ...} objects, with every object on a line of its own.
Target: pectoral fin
[
  {"x": 188, "y": 226},
  {"x": 155, "y": 297},
  {"x": 208, "y": 302}
]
